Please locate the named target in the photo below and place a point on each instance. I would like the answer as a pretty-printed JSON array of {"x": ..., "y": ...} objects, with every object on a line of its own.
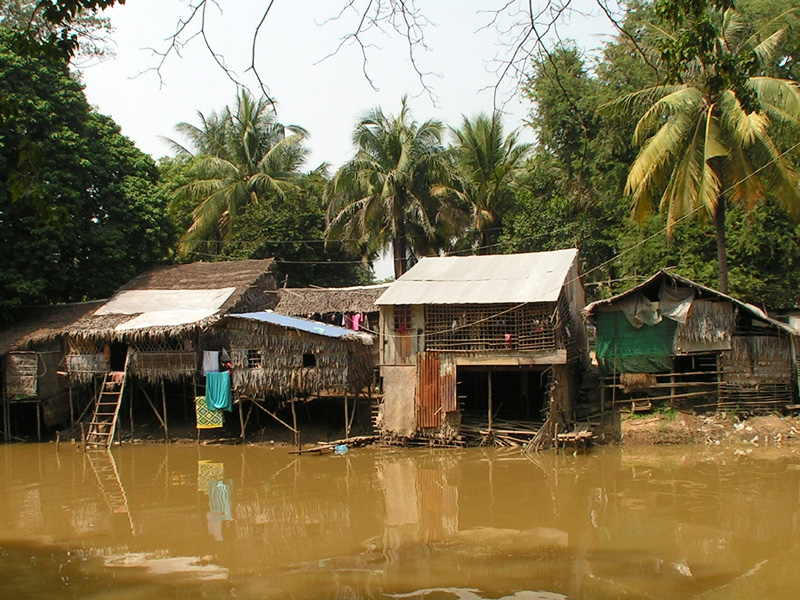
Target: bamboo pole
[
  {"x": 130, "y": 406},
  {"x": 71, "y": 406},
  {"x": 153, "y": 406},
  {"x": 490, "y": 402},
  {"x": 164, "y": 408},
  {"x": 296, "y": 432},
  {"x": 346, "y": 417},
  {"x": 353, "y": 413},
  {"x": 241, "y": 421}
]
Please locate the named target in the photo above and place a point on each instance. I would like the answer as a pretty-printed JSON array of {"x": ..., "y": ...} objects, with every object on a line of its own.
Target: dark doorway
[
  {"x": 517, "y": 394},
  {"x": 118, "y": 353}
]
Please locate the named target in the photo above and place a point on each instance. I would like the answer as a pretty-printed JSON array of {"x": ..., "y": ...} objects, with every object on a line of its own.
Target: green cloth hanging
[
  {"x": 218, "y": 391},
  {"x": 622, "y": 348}
]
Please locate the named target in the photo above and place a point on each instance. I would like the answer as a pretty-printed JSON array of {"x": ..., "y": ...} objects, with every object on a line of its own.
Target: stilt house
[
  {"x": 31, "y": 356},
  {"x": 671, "y": 341},
  {"x": 482, "y": 345},
  {"x": 278, "y": 359},
  {"x": 156, "y": 327},
  {"x": 350, "y": 307}
]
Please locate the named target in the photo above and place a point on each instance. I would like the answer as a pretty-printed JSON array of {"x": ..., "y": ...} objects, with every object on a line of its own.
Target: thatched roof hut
[
  {"x": 302, "y": 302},
  {"x": 671, "y": 339},
  {"x": 278, "y": 355},
  {"x": 162, "y": 316},
  {"x": 169, "y": 300}
]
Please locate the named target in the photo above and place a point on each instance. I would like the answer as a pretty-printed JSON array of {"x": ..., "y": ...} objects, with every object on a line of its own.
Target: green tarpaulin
[{"x": 621, "y": 348}]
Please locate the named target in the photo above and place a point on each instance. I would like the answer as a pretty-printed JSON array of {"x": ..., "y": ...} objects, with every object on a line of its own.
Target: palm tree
[
  {"x": 394, "y": 191},
  {"x": 487, "y": 164},
  {"x": 241, "y": 156},
  {"x": 700, "y": 147}
]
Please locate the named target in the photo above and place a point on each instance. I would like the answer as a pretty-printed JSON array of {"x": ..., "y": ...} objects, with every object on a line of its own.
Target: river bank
[
  {"x": 650, "y": 429},
  {"x": 673, "y": 427}
]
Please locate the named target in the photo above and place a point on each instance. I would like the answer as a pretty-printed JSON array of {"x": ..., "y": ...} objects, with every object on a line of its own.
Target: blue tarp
[{"x": 295, "y": 323}]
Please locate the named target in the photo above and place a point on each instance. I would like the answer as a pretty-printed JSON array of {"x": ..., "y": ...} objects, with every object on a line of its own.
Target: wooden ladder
[{"x": 106, "y": 409}]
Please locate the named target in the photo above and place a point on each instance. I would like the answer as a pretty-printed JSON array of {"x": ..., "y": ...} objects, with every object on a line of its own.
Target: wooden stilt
[
  {"x": 294, "y": 425},
  {"x": 491, "y": 418},
  {"x": 241, "y": 421},
  {"x": 6, "y": 414},
  {"x": 130, "y": 406},
  {"x": 71, "y": 405},
  {"x": 38, "y": 405},
  {"x": 346, "y": 418},
  {"x": 353, "y": 414},
  {"x": 164, "y": 410}
]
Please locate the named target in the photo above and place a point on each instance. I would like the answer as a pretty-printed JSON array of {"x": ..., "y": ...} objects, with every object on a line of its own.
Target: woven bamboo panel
[
  {"x": 21, "y": 373},
  {"x": 494, "y": 327}
]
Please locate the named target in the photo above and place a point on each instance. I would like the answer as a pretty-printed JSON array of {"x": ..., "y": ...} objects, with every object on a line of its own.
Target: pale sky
[{"x": 324, "y": 95}]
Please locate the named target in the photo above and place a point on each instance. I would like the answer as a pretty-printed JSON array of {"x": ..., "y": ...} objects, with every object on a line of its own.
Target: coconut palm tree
[
  {"x": 701, "y": 148},
  {"x": 394, "y": 192},
  {"x": 242, "y": 155},
  {"x": 487, "y": 164}
]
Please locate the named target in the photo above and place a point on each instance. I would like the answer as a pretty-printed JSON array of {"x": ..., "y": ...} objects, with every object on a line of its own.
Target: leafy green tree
[
  {"x": 487, "y": 165},
  {"x": 54, "y": 29},
  {"x": 242, "y": 156},
  {"x": 702, "y": 145},
  {"x": 395, "y": 191},
  {"x": 107, "y": 220},
  {"x": 291, "y": 229}
]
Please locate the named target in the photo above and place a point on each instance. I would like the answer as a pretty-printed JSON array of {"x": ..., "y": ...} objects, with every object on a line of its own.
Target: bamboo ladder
[{"x": 106, "y": 410}]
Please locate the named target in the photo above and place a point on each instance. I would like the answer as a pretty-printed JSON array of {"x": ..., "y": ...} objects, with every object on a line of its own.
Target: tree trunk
[
  {"x": 399, "y": 248},
  {"x": 722, "y": 250}
]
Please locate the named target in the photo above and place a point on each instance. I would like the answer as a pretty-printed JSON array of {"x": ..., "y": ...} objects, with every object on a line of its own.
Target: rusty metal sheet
[
  {"x": 436, "y": 389},
  {"x": 429, "y": 404}
]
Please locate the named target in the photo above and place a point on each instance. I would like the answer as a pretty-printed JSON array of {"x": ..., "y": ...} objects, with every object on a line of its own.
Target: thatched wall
[
  {"x": 270, "y": 360},
  {"x": 709, "y": 327},
  {"x": 82, "y": 368},
  {"x": 757, "y": 372},
  {"x": 21, "y": 376},
  {"x": 155, "y": 366}
]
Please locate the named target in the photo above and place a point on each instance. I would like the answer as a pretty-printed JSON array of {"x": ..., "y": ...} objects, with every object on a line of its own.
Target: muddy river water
[{"x": 185, "y": 521}]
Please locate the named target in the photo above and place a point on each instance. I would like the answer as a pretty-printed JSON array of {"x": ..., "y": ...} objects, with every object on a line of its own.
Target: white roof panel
[
  {"x": 531, "y": 277},
  {"x": 154, "y": 308}
]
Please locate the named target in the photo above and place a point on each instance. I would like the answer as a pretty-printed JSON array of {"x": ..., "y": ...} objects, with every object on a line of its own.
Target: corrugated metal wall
[{"x": 436, "y": 389}]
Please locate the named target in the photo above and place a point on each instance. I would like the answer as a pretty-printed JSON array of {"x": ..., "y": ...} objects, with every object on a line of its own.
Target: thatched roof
[
  {"x": 308, "y": 301},
  {"x": 43, "y": 323},
  {"x": 237, "y": 286}
]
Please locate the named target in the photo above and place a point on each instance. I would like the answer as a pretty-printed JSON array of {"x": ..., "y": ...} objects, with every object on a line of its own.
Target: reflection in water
[
  {"x": 220, "y": 495},
  {"x": 219, "y": 506},
  {"x": 161, "y": 522}
]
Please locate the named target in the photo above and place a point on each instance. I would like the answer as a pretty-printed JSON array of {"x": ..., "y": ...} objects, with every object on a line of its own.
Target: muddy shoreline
[
  {"x": 710, "y": 430},
  {"x": 652, "y": 429}
]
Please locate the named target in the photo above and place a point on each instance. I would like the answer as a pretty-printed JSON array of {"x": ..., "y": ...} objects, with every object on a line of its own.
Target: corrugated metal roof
[
  {"x": 530, "y": 277},
  {"x": 274, "y": 318}
]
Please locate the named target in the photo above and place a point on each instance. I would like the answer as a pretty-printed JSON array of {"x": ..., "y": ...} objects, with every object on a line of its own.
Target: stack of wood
[{"x": 511, "y": 434}]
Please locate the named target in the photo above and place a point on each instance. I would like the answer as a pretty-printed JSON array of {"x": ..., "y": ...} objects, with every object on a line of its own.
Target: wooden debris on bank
[{"x": 328, "y": 447}]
